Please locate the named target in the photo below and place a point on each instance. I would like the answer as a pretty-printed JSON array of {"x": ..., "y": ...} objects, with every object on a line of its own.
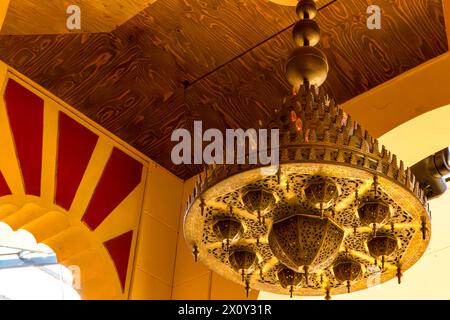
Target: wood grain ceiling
[
  {"x": 49, "y": 16},
  {"x": 221, "y": 61}
]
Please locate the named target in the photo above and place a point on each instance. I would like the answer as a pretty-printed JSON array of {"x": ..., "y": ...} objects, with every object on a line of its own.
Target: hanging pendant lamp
[{"x": 338, "y": 215}]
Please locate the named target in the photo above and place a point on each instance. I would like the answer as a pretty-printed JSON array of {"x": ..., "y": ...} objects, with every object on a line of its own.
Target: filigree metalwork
[
  {"x": 227, "y": 229},
  {"x": 289, "y": 279},
  {"x": 305, "y": 242},
  {"x": 242, "y": 261},
  {"x": 258, "y": 200},
  {"x": 337, "y": 204},
  {"x": 321, "y": 193},
  {"x": 373, "y": 212},
  {"x": 382, "y": 246},
  {"x": 347, "y": 270}
]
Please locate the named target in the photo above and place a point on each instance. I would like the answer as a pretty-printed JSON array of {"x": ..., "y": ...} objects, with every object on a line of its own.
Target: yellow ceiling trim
[
  {"x": 403, "y": 98},
  {"x": 4, "y": 4},
  {"x": 49, "y": 151}
]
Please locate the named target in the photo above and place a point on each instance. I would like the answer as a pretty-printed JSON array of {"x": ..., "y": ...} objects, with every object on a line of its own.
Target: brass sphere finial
[
  {"x": 307, "y": 64},
  {"x": 306, "y": 9},
  {"x": 306, "y": 33}
]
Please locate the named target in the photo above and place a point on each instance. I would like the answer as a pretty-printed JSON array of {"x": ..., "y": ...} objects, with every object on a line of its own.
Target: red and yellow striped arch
[{"x": 71, "y": 184}]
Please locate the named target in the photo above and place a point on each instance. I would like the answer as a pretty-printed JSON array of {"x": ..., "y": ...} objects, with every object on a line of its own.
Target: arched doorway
[{"x": 30, "y": 270}]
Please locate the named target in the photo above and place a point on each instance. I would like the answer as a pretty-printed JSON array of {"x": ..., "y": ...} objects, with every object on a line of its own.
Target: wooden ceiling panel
[
  {"x": 203, "y": 35},
  {"x": 232, "y": 55},
  {"x": 411, "y": 32},
  {"x": 49, "y": 16}
]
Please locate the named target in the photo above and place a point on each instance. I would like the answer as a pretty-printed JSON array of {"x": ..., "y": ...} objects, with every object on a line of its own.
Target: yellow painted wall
[
  {"x": 164, "y": 265},
  {"x": 157, "y": 244}
]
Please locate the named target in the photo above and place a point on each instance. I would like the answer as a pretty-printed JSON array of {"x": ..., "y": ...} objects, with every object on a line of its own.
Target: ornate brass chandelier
[{"x": 338, "y": 215}]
